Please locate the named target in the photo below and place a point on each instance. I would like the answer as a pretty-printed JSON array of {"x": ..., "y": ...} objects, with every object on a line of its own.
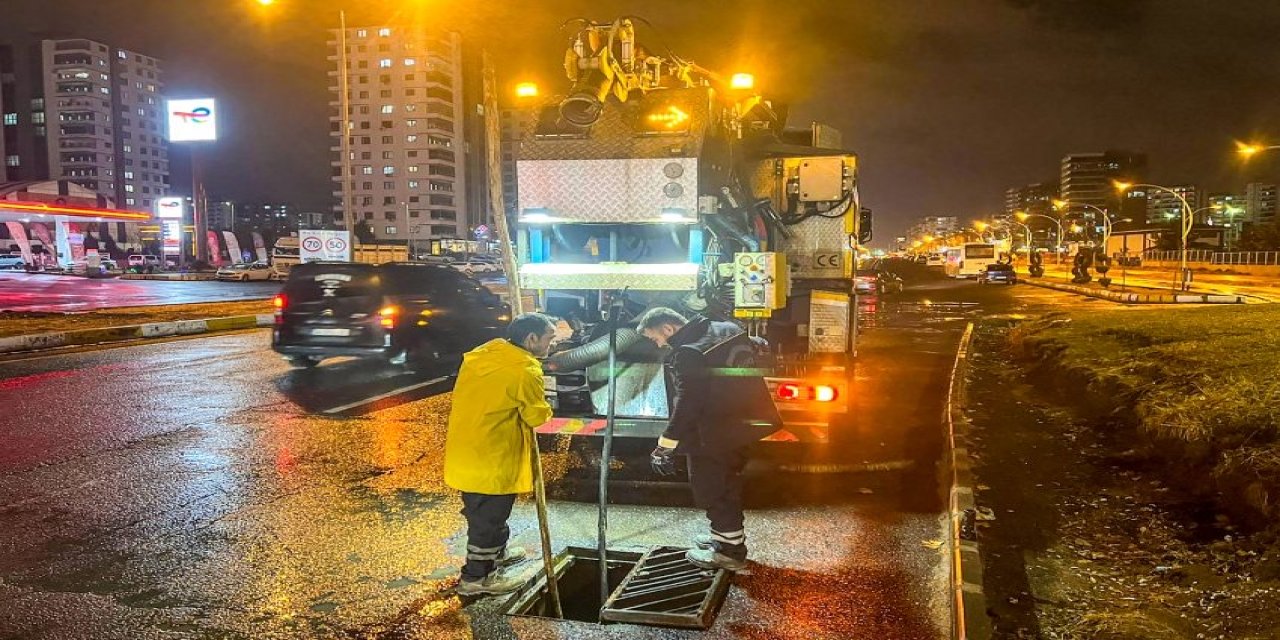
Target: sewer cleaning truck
[{"x": 655, "y": 182}]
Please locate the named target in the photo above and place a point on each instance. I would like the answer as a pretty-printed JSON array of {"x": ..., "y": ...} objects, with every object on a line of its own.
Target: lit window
[
  {"x": 123, "y": 55},
  {"x": 391, "y": 231},
  {"x": 409, "y": 62},
  {"x": 142, "y": 112},
  {"x": 11, "y": 118},
  {"x": 129, "y": 188},
  {"x": 388, "y": 171},
  {"x": 384, "y": 63},
  {"x": 130, "y": 201},
  {"x": 368, "y": 171},
  {"x": 410, "y": 123},
  {"x": 13, "y": 161},
  {"x": 386, "y": 108},
  {"x": 128, "y": 175},
  {"x": 37, "y": 117},
  {"x": 384, "y": 32},
  {"x": 128, "y": 148},
  {"x": 362, "y": 33},
  {"x": 411, "y": 138},
  {"x": 413, "y": 184},
  {"x": 413, "y": 168}
]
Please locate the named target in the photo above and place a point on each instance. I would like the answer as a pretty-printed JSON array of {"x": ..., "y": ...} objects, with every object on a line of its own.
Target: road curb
[
  {"x": 44, "y": 341},
  {"x": 969, "y": 620},
  {"x": 1126, "y": 297},
  {"x": 176, "y": 277}
]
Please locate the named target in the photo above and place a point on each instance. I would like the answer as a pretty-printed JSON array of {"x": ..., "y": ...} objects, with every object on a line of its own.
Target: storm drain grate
[{"x": 666, "y": 589}]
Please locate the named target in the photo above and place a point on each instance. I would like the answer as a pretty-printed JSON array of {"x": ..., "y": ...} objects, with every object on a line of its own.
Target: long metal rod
[
  {"x": 493, "y": 162},
  {"x": 344, "y": 128},
  {"x": 602, "y": 535},
  {"x": 540, "y": 501}
]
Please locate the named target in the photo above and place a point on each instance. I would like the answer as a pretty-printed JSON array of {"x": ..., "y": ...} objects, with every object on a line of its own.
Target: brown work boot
[{"x": 709, "y": 559}]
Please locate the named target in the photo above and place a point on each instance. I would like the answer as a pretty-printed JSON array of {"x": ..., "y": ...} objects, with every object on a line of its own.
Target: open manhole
[
  {"x": 659, "y": 587},
  {"x": 578, "y": 579}
]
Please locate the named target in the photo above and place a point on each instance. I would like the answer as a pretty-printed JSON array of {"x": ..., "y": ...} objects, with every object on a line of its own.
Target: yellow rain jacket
[{"x": 497, "y": 402}]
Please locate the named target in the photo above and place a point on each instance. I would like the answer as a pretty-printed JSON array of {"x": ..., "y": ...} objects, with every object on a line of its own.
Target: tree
[
  {"x": 364, "y": 232},
  {"x": 1261, "y": 237}
]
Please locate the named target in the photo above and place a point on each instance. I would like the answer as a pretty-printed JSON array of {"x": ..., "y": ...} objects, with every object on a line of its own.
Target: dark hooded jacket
[{"x": 718, "y": 401}]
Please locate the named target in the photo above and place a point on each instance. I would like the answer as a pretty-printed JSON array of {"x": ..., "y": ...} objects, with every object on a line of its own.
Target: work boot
[
  {"x": 704, "y": 541},
  {"x": 512, "y": 555},
  {"x": 493, "y": 584},
  {"x": 709, "y": 559}
]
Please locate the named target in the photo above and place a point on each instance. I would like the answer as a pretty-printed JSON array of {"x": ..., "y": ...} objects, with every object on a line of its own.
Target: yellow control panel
[{"x": 760, "y": 283}]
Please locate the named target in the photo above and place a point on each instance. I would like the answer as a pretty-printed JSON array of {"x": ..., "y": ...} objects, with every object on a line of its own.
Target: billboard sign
[
  {"x": 172, "y": 237},
  {"x": 169, "y": 208},
  {"x": 324, "y": 245},
  {"x": 193, "y": 120}
]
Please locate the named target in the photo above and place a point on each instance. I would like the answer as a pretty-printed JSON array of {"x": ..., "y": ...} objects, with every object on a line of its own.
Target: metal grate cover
[{"x": 666, "y": 589}]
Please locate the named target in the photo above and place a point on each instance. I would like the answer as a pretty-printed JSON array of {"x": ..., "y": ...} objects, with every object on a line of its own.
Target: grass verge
[
  {"x": 1202, "y": 385},
  {"x": 26, "y": 323}
]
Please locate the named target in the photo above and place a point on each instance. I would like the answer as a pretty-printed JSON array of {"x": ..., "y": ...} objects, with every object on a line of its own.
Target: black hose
[
  {"x": 592, "y": 352},
  {"x": 731, "y": 230}
]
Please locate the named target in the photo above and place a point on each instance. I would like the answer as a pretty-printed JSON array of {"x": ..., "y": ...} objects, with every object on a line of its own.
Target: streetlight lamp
[
  {"x": 1250, "y": 150},
  {"x": 1188, "y": 219}
]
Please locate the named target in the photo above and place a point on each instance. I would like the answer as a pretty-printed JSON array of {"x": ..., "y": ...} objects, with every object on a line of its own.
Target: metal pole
[
  {"x": 344, "y": 100},
  {"x": 540, "y": 502},
  {"x": 198, "y": 222},
  {"x": 606, "y": 451}
]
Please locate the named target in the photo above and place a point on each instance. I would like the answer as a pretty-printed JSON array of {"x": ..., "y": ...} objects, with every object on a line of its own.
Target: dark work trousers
[
  {"x": 717, "y": 487},
  {"x": 487, "y": 532}
]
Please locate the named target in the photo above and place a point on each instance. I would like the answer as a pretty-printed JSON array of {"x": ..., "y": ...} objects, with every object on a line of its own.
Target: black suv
[{"x": 397, "y": 311}]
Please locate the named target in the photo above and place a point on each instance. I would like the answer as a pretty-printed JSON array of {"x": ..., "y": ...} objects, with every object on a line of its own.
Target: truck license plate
[{"x": 330, "y": 332}]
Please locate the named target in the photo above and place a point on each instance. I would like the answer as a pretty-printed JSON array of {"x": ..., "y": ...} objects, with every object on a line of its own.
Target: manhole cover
[{"x": 666, "y": 589}]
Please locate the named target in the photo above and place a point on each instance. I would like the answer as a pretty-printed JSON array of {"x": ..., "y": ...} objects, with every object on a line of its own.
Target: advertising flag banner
[
  {"x": 259, "y": 247},
  {"x": 19, "y": 236},
  {"x": 233, "y": 246},
  {"x": 215, "y": 254},
  {"x": 324, "y": 245},
  {"x": 75, "y": 240},
  {"x": 41, "y": 232}
]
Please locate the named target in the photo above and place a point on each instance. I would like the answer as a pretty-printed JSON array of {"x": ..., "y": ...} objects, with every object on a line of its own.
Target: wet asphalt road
[
  {"x": 38, "y": 292},
  {"x": 200, "y": 488}
]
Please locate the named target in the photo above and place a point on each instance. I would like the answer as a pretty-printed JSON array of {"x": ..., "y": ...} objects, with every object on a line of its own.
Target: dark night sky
[{"x": 947, "y": 102}]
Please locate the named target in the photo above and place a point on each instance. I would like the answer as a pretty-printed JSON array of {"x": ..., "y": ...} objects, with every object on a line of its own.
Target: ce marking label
[{"x": 827, "y": 260}]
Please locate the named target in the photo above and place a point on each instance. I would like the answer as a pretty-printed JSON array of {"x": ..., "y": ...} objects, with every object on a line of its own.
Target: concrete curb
[
  {"x": 969, "y": 620},
  {"x": 1141, "y": 298},
  {"x": 43, "y": 341},
  {"x": 172, "y": 277}
]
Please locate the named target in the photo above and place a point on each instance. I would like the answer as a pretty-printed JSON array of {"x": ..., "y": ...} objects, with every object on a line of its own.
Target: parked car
[
  {"x": 144, "y": 263},
  {"x": 877, "y": 281},
  {"x": 400, "y": 311},
  {"x": 12, "y": 261},
  {"x": 998, "y": 273},
  {"x": 475, "y": 265},
  {"x": 246, "y": 271},
  {"x": 935, "y": 260}
]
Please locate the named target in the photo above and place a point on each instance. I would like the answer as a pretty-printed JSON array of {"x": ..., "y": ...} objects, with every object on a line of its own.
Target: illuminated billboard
[
  {"x": 193, "y": 120},
  {"x": 169, "y": 208}
]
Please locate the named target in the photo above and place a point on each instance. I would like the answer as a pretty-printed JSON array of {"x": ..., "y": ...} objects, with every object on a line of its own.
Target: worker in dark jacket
[{"x": 718, "y": 407}]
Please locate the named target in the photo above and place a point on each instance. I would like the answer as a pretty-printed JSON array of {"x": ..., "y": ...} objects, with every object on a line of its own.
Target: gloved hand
[{"x": 662, "y": 460}]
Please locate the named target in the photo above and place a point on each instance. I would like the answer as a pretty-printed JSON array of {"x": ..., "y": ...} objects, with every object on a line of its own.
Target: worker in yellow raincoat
[{"x": 497, "y": 402}]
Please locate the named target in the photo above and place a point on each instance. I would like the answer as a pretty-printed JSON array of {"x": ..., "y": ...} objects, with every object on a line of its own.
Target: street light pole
[
  {"x": 1188, "y": 219},
  {"x": 344, "y": 100}
]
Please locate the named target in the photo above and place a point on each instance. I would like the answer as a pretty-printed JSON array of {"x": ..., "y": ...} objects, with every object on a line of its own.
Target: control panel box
[{"x": 760, "y": 282}]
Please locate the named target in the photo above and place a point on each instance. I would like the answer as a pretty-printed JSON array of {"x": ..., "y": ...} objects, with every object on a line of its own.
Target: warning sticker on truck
[{"x": 828, "y": 322}]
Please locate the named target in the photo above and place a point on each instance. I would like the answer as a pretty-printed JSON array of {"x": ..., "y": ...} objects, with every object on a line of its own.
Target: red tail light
[
  {"x": 788, "y": 391},
  {"x": 388, "y": 315}
]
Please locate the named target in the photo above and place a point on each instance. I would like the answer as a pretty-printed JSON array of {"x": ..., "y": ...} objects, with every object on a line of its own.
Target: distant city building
[
  {"x": 221, "y": 215},
  {"x": 1033, "y": 198},
  {"x": 934, "y": 227},
  {"x": 1163, "y": 206},
  {"x": 87, "y": 112},
  {"x": 406, "y": 132},
  {"x": 1089, "y": 179},
  {"x": 1260, "y": 203},
  {"x": 315, "y": 220},
  {"x": 1227, "y": 210}
]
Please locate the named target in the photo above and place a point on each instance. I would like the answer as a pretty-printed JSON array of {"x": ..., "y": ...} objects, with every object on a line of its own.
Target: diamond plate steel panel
[
  {"x": 641, "y": 277},
  {"x": 607, "y": 191}
]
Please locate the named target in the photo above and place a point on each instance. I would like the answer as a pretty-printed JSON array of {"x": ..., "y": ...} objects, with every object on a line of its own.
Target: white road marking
[{"x": 383, "y": 396}]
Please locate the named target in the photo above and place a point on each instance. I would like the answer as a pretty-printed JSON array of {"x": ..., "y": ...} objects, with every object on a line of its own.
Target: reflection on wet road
[{"x": 202, "y": 488}]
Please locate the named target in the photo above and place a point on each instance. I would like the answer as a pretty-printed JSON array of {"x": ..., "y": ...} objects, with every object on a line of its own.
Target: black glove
[{"x": 662, "y": 460}]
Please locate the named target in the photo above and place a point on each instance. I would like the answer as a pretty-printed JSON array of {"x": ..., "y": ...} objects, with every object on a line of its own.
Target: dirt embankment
[{"x": 1101, "y": 516}]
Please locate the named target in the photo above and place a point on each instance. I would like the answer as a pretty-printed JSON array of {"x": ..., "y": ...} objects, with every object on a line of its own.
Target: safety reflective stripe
[
  {"x": 481, "y": 553},
  {"x": 732, "y": 537}
]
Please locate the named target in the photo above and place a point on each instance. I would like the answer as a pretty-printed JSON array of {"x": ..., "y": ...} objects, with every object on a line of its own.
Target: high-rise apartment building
[
  {"x": 934, "y": 226},
  {"x": 1260, "y": 203},
  {"x": 1088, "y": 180},
  {"x": 1163, "y": 206},
  {"x": 87, "y": 112},
  {"x": 406, "y": 144},
  {"x": 514, "y": 122}
]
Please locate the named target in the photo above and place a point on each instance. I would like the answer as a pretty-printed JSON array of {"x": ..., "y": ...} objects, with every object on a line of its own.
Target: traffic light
[{"x": 864, "y": 225}]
